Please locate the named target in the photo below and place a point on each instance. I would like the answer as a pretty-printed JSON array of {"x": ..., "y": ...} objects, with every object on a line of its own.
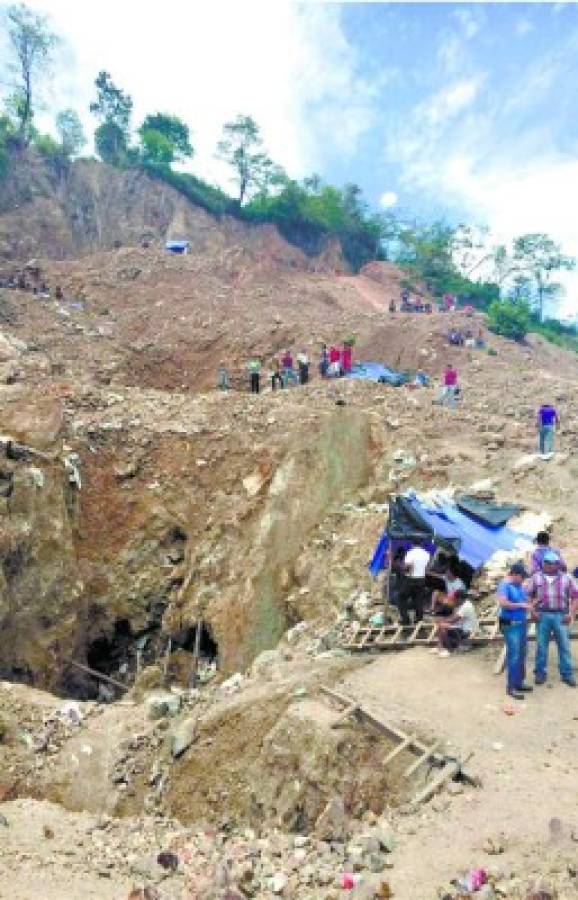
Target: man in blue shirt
[
  {"x": 548, "y": 421},
  {"x": 513, "y": 601}
]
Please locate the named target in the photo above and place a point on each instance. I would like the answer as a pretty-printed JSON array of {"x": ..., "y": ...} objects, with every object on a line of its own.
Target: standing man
[
  {"x": 547, "y": 423},
  {"x": 513, "y": 603},
  {"x": 555, "y": 597},
  {"x": 254, "y": 367},
  {"x": 450, "y": 386},
  {"x": 412, "y": 591},
  {"x": 538, "y": 553},
  {"x": 303, "y": 367}
]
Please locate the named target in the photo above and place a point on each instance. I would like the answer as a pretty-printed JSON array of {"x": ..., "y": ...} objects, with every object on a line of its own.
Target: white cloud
[
  {"x": 289, "y": 66},
  {"x": 451, "y": 100},
  {"x": 523, "y": 27},
  {"x": 388, "y": 199}
]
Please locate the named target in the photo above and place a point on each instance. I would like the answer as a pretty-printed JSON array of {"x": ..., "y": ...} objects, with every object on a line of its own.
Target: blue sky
[{"x": 468, "y": 111}]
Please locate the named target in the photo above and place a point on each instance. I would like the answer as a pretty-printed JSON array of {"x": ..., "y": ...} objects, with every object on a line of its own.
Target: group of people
[
  {"x": 288, "y": 370},
  {"x": 538, "y": 590},
  {"x": 458, "y": 338},
  {"x": 31, "y": 283},
  {"x": 543, "y": 592}
]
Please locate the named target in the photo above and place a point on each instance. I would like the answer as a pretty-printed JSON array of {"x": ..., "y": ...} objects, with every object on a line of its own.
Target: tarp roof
[
  {"x": 177, "y": 245},
  {"x": 473, "y": 540},
  {"x": 374, "y": 371}
]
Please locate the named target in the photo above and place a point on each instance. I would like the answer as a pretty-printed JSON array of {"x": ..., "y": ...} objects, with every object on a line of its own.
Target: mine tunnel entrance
[{"x": 186, "y": 638}]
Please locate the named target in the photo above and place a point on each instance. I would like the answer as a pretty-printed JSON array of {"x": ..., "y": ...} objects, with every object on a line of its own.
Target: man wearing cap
[
  {"x": 513, "y": 601},
  {"x": 542, "y": 547},
  {"x": 555, "y": 598}
]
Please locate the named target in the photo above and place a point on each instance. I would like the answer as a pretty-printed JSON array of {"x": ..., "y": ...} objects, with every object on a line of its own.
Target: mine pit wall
[
  {"x": 39, "y": 584},
  {"x": 323, "y": 466}
]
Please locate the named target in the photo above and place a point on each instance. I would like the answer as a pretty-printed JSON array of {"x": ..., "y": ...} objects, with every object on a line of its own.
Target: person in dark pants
[
  {"x": 254, "y": 367},
  {"x": 276, "y": 377},
  {"x": 412, "y": 590},
  {"x": 513, "y": 601},
  {"x": 303, "y": 367}
]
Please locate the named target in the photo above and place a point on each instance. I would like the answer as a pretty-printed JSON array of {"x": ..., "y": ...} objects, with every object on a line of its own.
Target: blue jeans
[
  {"x": 515, "y": 637},
  {"x": 546, "y": 439},
  {"x": 551, "y": 623}
]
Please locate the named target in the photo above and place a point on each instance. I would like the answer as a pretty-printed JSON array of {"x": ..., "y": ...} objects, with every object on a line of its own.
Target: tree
[
  {"x": 241, "y": 147},
  {"x": 32, "y": 44},
  {"x": 114, "y": 109},
  {"x": 539, "y": 256},
  {"x": 510, "y": 318},
  {"x": 164, "y": 139},
  {"x": 110, "y": 143},
  {"x": 70, "y": 131}
]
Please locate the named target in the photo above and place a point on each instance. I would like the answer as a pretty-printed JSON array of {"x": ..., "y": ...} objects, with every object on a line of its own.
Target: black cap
[{"x": 519, "y": 569}]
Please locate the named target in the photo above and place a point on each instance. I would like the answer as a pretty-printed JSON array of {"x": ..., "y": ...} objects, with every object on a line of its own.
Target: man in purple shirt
[
  {"x": 554, "y": 596},
  {"x": 548, "y": 421}
]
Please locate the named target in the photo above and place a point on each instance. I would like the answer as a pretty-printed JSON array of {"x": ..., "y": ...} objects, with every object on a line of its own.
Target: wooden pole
[{"x": 99, "y": 675}]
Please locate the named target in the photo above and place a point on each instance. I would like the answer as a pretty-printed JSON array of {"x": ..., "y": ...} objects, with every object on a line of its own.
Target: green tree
[
  {"x": 242, "y": 148},
  {"x": 114, "y": 109},
  {"x": 32, "y": 43},
  {"x": 110, "y": 143},
  {"x": 538, "y": 256},
  {"x": 510, "y": 318},
  {"x": 164, "y": 139},
  {"x": 70, "y": 131}
]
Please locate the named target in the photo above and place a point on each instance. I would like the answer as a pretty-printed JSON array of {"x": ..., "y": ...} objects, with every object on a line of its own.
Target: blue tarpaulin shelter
[
  {"x": 177, "y": 246},
  {"x": 374, "y": 371},
  {"x": 473, "y": 539}
]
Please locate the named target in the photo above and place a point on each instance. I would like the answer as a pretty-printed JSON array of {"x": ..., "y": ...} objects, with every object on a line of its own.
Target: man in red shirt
[{"x": 450, "y": 386}]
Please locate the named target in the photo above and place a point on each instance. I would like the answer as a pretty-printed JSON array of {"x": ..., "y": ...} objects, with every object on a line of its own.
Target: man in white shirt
[
  {"x": 458, "y": 627},
  {"x": 412, "y": 592}
]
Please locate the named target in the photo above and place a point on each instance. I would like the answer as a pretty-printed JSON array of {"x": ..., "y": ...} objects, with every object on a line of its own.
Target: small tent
[
  {"x": 473, "y": 529},
  {"x": 177, "y": 246}
]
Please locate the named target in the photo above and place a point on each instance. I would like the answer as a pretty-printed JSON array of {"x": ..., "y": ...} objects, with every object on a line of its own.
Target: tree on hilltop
[
  {"x": 70, "y": 131},
  {"x": 114, "y": 109},
  {"x": 242, "y": 148},
  {"x": 539, "y": 256},
  {"x": 32, "y": 43},
  {"x": 164, "y": 139}
]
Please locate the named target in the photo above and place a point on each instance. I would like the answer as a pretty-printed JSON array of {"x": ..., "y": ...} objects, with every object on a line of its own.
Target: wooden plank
[
  {"x": 422, "y": 759},
  {"x": 403, "y": 745},
  {"x": 99, "y": 675},
  {"x": 345, "y": 715},
  {"x": 500, "y": 662},
  {"x": 449, "y": 771}
]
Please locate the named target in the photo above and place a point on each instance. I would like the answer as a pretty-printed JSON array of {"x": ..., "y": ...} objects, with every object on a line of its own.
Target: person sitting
[
  {"x": 458, "y": 627},
  {"x": 421, "y": 379},
  {"x": 443, "y": 601}
]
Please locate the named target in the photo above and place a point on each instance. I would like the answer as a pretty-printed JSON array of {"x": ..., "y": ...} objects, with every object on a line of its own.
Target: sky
[{"x": 466, "y": 111}]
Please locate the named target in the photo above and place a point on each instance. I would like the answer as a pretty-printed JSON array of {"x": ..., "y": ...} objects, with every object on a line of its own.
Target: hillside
[{"x": 257, "y": 516}]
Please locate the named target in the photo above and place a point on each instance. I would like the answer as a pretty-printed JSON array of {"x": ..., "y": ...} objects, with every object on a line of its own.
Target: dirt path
[{"x": 527, "y": 761}]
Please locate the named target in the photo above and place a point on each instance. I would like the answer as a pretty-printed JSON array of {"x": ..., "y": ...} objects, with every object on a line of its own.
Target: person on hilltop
[
  {"x": 276, "y": 377},
  {"x": 547, "y": 422},
  {"x": 303, "y": 367},
  {"x": 334, "y": 362},
  {"x": 542, "y": 546},
  {"x": 288, "y": 370},
  {"x": 449, "y": 386},
  {"x": 346, "y": 358},
  {"x": 513, "y": 610},
  {"x": 324, "y": 361},
  {"x": 223, "y": 382},
  {"x": 254, "y": 367},
  {"x": 555, "y": 599}
]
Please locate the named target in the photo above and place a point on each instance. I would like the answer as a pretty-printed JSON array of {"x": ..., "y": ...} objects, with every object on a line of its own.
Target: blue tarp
[
  {"x": 177, "y": 246},
  {"x": 374, "y": 371},
  {"x": 477, "y": 542}
]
